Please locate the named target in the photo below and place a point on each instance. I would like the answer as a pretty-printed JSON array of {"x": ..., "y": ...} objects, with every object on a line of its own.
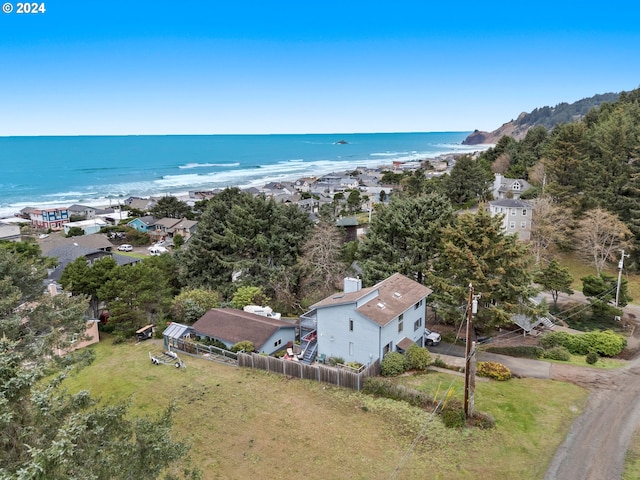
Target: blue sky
[{"x": 206, "y": 67}]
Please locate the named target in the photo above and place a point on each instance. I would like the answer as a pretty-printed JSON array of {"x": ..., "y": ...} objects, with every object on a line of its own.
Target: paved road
[{"x": 595, "y": 447}]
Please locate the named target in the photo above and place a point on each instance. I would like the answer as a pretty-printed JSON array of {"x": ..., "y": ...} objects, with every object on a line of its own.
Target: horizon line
[{"x": 222, "y": 134}]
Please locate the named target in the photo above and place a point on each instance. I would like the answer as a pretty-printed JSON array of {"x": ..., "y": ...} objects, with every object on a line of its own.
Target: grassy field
[
  {"x": 579, "y": 268},
  {"x": 244, "y": 424}
]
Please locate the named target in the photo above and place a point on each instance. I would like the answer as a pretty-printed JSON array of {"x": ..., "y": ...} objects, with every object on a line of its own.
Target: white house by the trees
[{"x": 363, "y": 324}]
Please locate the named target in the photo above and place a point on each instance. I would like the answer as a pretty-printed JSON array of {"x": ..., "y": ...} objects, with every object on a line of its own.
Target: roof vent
[
  {"x": 397, "y": 295},
  {"x": 381, "y": 306}
]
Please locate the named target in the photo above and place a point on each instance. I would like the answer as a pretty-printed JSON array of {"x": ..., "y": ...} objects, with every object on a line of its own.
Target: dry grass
[{"x": 245, "y": 423}]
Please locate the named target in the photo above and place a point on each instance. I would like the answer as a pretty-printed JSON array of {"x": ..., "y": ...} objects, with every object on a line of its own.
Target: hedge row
[{"x": 606, "y": 343}]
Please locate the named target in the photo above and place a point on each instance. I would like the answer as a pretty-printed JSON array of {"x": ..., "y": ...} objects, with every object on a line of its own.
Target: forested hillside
[
  {"x": 582, "y": 166},
  {"x": 547, "y": 117}
]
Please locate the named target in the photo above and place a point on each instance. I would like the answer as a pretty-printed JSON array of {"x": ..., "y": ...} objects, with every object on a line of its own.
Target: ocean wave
[
  {"x": 388, "y": 154},
  {"x": 204, "y": 165}
]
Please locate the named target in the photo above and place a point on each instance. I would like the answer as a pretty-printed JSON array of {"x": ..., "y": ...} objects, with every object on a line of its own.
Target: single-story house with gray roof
[{"x": 231, "y": 326}]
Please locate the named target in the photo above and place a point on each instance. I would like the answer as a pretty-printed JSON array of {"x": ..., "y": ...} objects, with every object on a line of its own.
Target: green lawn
[
  {"x": 246, "y": 423},
  {"x": 579, "y": 267}
]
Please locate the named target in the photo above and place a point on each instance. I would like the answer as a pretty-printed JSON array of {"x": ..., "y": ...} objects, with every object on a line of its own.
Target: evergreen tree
[
  {"x": 555, "y": 279},
  {"x": 476, "y": 250},
  {"x": 171, "y": 207},
  {"x": 468, "y": 181},
  {"x": 136, "y": 295},
  {"x": 403, "y": 237},
  {"x": 46, "y": 432},
  {"x": 80, "y": 278},
  {"x": 242, "y": 237}
]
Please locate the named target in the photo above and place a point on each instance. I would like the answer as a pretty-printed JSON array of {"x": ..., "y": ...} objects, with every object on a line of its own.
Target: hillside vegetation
[{"x": 546, "y": 116}]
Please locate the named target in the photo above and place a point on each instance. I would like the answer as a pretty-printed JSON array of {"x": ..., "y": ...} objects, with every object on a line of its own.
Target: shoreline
[{"x": 12, "y": 210}]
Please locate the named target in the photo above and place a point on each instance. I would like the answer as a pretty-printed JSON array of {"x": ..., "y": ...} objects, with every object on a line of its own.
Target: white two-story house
[{"x": 363, "y": 324}]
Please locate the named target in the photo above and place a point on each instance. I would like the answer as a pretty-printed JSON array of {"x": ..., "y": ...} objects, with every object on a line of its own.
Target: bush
[
  {"x": 592, "y": 358},
  {"x": 482, "y": 420},
  {"x": 494, "y": 370},
  {"x": 438, "y": 362},
  {"x": 393, "y": 364},
  {"x": 558, "y": 353},
  {"x": 384, "y": 388},
  {"x": 335, "y": 361},
  {"x": 453, "y": 417},
  {"x": 418, "y": 358},
  {"x": 524, "y": 351},
  {"x": 245, "y": 345},
  {"x": 607, "y": 343}
]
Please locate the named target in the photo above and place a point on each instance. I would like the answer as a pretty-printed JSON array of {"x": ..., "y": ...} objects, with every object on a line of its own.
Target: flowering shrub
[{"x": 494, "y": 370}]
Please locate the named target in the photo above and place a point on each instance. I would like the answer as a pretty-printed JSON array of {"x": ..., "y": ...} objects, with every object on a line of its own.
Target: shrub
[
  {"x": 387, "y": 389},
  {"x": 494, "y": 370},
  {"x": 525, "y": 351},
  {"x": 482, "y": 420},
  {"x": 245, "y": 345},
  {"x": 418, "y": 358},
  {"x": 592, "y": 358},
  {"x": 554, "y": 339},
  {"x": 607, "y": 343},
  {"x": 392, "y": 364},
  {"x": 453, "y": 417},
  {"x": 558, "y": 353},
  {"x": 335, "y": 361},
  {"x": 438, "y": 362}
]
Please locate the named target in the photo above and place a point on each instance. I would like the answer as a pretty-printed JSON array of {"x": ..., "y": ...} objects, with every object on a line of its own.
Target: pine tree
[
  {"x": 476, "y": 250},
  {"x": 403, "y": 237},
  {"x": 555, "y": 279}
]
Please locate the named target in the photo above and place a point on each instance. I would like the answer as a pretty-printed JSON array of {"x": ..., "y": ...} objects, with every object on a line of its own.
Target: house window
[
  {"x": 523, "y": 224},
  {"x": 400, "y": 322},
  {"x": 277, "y": 342},
  {"x": 417, "y": 305},
  {"x": 513, "y": 211},
  {"x": 512, "y": 225},
  {"x": 387, "y": 348},
  {"x": 524, "y": 212},
  {"x": 351, "y": 349},
  {"x": 417, "y": 324},
  {"x": 351, "y": 324},
  {"x": 516, "y": 186}
]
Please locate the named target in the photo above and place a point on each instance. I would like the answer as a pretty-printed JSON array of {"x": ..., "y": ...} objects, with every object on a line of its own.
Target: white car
[
  {"x": 125, "y": 247},
  {"x": 431, "y": 338}
]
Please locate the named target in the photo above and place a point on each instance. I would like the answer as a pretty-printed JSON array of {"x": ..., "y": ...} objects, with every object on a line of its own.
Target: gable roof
[
  {"x": 394, "y": 295},
  {"x": 235, "y": 326},
  {"x": 510, "y": 203}
]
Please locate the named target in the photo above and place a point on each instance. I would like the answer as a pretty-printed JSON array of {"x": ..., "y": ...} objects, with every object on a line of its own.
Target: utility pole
[
  {"x": 469, "y": 368},
  {"x": 620, "y": 265}
]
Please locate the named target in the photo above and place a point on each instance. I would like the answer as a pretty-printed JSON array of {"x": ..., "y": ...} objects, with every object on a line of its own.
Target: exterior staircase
[{"x": 310, "y": 352}]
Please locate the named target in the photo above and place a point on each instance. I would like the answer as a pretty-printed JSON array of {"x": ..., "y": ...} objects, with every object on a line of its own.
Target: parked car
[
  {"x": 125, "y": 247},
  {"x": 431, "y": 338}
]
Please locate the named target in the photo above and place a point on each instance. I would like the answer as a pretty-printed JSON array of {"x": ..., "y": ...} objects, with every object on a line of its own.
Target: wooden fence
[{"x": 341, "y": 376}]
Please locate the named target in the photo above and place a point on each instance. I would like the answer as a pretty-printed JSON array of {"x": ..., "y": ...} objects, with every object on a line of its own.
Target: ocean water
[{"x": 103, "y": 170}]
